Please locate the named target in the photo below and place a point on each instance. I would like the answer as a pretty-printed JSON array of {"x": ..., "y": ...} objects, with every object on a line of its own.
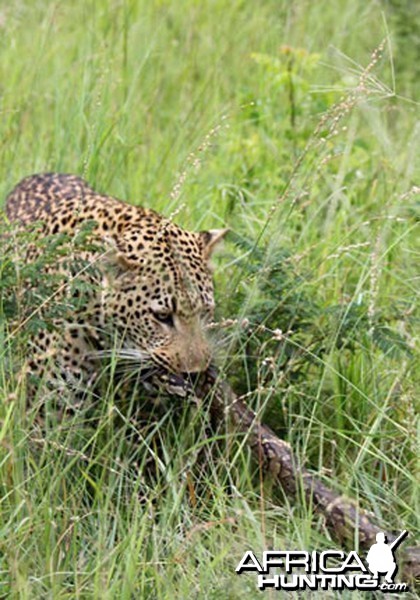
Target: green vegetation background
[{"x": 296, "y": 124}]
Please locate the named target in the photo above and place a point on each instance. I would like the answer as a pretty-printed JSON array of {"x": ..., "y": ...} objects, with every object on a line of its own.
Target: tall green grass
[{"x": 223, "y": 113}]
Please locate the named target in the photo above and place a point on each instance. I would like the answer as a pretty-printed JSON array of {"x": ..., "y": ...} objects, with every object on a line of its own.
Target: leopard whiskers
[{"x": 127, "y": 354}]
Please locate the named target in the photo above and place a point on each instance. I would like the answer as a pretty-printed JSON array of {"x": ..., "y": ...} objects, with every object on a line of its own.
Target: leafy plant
[
  {"x": 288, "y": 322},
  {"x": 41, "y": 277}
]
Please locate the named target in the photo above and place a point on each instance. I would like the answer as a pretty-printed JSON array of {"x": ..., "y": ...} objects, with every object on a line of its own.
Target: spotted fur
[{"x": 155, "y": 291}]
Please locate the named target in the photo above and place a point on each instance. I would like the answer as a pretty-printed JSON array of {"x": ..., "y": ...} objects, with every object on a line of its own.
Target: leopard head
[{"x": 160, "y": 295}]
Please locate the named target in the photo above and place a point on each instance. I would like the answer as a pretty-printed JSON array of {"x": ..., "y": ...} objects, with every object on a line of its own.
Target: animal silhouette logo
[{"x": 380, "y": 557}]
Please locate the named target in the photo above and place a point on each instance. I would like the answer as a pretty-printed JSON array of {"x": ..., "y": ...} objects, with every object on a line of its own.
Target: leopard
[{"x": 151, "y": 292}]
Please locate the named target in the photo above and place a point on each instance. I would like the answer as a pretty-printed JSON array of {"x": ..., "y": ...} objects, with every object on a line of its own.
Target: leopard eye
[{"x": 165, "y": 318}]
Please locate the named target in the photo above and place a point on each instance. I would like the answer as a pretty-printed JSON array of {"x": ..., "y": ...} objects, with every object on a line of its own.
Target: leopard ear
[{"x": 210, "y": 239}]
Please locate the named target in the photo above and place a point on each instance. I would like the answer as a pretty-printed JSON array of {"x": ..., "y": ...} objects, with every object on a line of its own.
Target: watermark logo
[
  {"x": 331, "y": 569},
  {"x": 380, "y": 557}
]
